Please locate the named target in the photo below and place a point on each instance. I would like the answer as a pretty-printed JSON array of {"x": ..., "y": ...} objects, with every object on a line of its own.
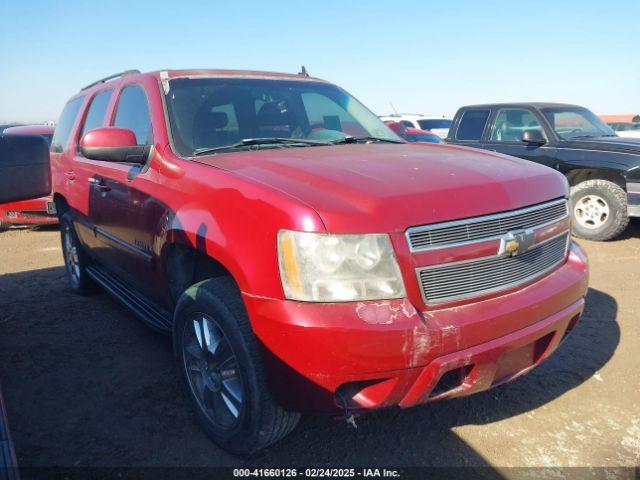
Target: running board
[{"x": 149, "y": 312}]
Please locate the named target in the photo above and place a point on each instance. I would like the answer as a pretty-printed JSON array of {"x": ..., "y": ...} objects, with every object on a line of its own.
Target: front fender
[{"x": 238, "y": 228}]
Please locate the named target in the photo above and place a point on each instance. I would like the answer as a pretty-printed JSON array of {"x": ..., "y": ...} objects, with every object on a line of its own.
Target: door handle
[{"x": 99, "y": 184}]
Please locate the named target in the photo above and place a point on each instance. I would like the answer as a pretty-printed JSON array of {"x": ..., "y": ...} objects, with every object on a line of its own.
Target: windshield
[
  {"x": 422, "y": 137},
  {"x": 434, "y": 123},
  {"x": 209, "y": 113},
  {"x": 577, "y": 122}
]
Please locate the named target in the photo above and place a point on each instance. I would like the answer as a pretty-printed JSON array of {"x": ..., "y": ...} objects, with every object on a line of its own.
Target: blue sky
[{"x": 425, "y": 57}]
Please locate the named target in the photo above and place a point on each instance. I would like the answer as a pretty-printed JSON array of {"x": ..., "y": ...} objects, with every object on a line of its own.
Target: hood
[
  {"x": 607, "y": 144},
  {"x": 389, "y": 187}
]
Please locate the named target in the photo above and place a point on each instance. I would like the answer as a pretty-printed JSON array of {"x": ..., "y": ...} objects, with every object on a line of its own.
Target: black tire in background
[
  {"x": 254, "y": 421},
  {"x": 75, "y": 258},
  {"x": 4, "y": 226},
  {"x": 598, "y": 210}
]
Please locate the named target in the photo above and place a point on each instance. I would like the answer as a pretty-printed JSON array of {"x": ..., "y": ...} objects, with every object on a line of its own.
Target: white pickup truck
[{"x": 626, "y": 129}]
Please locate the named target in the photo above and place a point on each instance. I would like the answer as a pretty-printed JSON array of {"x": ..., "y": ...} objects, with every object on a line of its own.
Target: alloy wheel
[
  {"x": 72, "y": 260},
  {"x": 591, "y": 211},
  {"x": 212, "y": 370}
]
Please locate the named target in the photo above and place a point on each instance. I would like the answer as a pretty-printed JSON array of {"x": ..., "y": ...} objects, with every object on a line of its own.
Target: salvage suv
[{"x": 302, "y": 256}]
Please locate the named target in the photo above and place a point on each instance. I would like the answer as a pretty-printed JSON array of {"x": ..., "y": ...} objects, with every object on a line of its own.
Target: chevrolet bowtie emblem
[{"x": 516, "y": 242}]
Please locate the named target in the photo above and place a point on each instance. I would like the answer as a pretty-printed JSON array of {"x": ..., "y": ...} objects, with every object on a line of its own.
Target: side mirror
[
  {"x": 24, "y": 167},
  {"x": 533, "y": 137},
  {"x": 113, "y": 144}
]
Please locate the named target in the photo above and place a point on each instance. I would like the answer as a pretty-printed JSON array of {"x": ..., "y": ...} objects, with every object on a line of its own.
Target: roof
[
  {"x": 417, "y": 131},
  {"x": 29, "y": 129},
  {"x": 231, "y": 73},
  {"x": 524, "y": 104},
  {"x": 190, "y": 73}
]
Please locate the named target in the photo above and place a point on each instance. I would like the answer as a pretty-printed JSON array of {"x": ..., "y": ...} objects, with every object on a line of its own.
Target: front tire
[
  {"x": 599, "y": 210},
  {"x": 217, "y": 355},
  {"x": 4, "y": 226},
  {"x": 75, "y": 258}
]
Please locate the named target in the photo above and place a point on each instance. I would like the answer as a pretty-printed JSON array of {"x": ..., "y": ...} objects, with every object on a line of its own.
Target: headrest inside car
[
  {"x": 270, "y": 115},
  {"x": 206, "y": 119}
]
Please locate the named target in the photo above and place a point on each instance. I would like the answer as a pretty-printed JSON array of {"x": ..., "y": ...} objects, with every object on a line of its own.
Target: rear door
[
  {"x": 506, "y": 131},
  {"x": 469, "y": 127},
  {"x": 61, "y": 154}
]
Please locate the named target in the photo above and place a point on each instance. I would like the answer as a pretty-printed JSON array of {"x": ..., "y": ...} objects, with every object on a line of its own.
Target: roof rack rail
[{"x": 111, "y": 77}]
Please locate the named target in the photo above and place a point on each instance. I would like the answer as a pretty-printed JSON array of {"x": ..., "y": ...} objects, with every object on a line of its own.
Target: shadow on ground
[{"x": 86, "y": 384}]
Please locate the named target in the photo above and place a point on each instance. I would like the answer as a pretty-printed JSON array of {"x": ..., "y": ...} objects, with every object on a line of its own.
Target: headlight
[{"x": 318, "y": 267}]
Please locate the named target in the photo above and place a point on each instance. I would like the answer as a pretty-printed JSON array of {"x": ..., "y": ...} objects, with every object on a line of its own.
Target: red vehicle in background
[
  {"x": 413, "y": 135},
  {"x": 39, "y": 211}
]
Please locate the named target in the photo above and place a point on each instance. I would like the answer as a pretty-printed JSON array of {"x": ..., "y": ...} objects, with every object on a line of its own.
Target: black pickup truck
[{"x": 603, "y": 169}]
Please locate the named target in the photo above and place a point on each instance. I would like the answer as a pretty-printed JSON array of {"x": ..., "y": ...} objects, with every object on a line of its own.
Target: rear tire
[
  {"x": 599, "y": 210},
  {"x": 222, "y": 371},
  {"x": 76, "y": 259}
]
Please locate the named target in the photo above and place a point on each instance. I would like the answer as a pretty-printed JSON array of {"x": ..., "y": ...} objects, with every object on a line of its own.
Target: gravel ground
[{"x": 86, "y": 384}]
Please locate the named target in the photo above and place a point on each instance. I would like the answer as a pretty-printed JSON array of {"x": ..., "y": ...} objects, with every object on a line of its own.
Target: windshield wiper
[
  {"x": 350, "y": 139},
  {"x": 583, "y": 136},
  {"x": 248, "y": 142}
]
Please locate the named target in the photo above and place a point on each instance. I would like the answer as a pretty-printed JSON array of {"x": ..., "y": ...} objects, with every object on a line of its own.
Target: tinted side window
[
  {"x": 133, "y": 113},
  {"x": 65, "y": 124},
  {"x": 96, "y": 112},
  {"x": 472, "y": 124}
]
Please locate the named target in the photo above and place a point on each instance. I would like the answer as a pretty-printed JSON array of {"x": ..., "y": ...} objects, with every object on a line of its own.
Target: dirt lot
[{"x": 86, "y": 384}]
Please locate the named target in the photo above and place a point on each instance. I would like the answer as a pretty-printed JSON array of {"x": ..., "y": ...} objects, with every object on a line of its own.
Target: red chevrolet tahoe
[
  {"x": 39, "y": 211},
  {"x": 303, "y": 257}
]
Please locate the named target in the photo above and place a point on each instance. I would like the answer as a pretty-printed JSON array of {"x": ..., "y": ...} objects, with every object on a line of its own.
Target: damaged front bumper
[{"x": 327, "y": 358}]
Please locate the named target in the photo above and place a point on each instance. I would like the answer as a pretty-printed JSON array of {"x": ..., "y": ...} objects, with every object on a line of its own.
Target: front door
[
  {"x": 117, "y": 200},
  {"x": 506, "y": 133}
]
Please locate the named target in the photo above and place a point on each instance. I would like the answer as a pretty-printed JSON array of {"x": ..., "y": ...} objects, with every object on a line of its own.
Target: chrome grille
[
  {"x": 486, "y": 227},
  {"x": 472, "y": 278}
]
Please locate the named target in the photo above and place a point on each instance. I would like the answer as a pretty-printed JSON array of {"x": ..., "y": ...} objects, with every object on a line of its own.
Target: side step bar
[{"x": 149, "y": 312}]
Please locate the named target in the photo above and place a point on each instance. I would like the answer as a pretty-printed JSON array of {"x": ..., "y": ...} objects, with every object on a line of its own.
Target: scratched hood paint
[{"x": 389, "y": 187}]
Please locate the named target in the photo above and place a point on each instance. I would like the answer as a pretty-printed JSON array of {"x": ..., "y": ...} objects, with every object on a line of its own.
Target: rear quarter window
[
  {"x": 472, "y": 125},
  {"x": 65, "y": 124}
]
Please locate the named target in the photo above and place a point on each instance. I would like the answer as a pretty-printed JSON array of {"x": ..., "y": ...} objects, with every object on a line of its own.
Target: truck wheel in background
[
  {"x": 599, "y": 210},
  {"x": 217, "y": 356},
  {"x": 75, "y": 258}
]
